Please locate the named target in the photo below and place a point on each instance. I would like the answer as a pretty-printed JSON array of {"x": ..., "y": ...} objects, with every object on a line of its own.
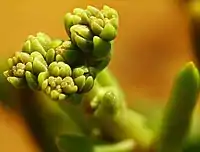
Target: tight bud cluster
[{"x": 61, "y": 68}]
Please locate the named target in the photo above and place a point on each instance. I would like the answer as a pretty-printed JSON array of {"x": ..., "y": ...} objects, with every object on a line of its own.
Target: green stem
[
  {"x": 116, "y": 121},
  {"x": 106, "y": 78},
  {"x": 45, "y": 119}
]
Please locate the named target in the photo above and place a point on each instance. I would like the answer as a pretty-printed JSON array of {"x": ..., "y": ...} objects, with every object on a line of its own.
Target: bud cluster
[
  {"x": 92, "y": 31},
  {"x": 61, "y": 68}
]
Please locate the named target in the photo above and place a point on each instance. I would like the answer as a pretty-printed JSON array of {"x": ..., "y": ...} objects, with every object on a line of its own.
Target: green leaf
[{"x": 179, "y": 110}]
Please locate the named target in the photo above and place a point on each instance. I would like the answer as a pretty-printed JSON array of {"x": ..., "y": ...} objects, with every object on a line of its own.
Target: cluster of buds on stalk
[
  {"x": 93, "y": 31},
  {"x": 61, "y": 68}
]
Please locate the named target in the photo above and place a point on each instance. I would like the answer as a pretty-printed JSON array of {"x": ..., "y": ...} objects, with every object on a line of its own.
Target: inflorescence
[{"x": 61, "y": 68}]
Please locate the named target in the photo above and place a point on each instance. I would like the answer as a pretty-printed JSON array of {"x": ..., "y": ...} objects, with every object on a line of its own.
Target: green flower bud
[
  {"x": 19, "y": 73},
  {"x": 31, "y": 80},
  {"x": 52, "y": 65},
  {"x": 107, "y": 104},
  {"x": 114, "y": 22},
  {"x": 59, "y": 58},
  {"x": 54, "y": 94},
  {"x": 82, "y": 37},
  {"x": 88, "y": 84},
  {"x": 68, "y": 22},
  {"x": 44, "y": 40},
  {"x": 48, "y": 90},
  {"x": 24, "y": 57},
  {"x": 78, "y": 72},
  {"x": 58, "y": 88},
  {"x": 38, "y": 66},
  {"x": 10, "y": 63},
  {"x": 27, "y": 47},
  {"x": 82, "y": 43},
  {"x": 109, "y": 32},
  {"x": 37, "y": 46},
  {"x": 17, "y": 82},
  {"x": 109, "y": 12},
  {"x": 78, "y": 11},
  {"x": 54, "y": 69},
  {"x": 7, "y": 73},
  {"x": 70, "y": 90},
  {"x": 62, "y": 97},
  {"x": 58, "y": 80},
  {"x": 42, "y": 77},
  {"x": 61, "y": 52},
  {"x": 20, "y": 66},
  {"x": 101, "y": 48},
  {"x": 60, "y": 69},
  {"x": 76, "y": 19},
  {"x": 37, "y": 55},
  {"x": 15, "y": 60},
  {"x": 51, "y": 79},
  {"x": 52, "y": 84},
  {"x": 40, "y": 43},
  {"x": 67, "y": 45},
  {"x": 82, "y": 31},
  {"x": 68, "y": 86},
  {"x": 56, "y": 43},
  {"x": 95, "y": 12},
  {"x": 81, "y": 13},
  {"x": 44, "y": 84},
  {"x": 65, "y": 69},
  {"x": 50, "y": 56},
  {"x": 29, "y": 67},
  {"x": 80, "y": 82},
  {"x": 83, "y": 79},
  {"x": 96, "y": 26},
  {"x": 16, "y": 68}
]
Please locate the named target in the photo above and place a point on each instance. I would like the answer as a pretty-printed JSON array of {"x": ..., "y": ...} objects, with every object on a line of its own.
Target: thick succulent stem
[
  {"x": 116, "y": 121},
  {"x": 45, "y": 119},
  {"x": 179, "y": 109}
]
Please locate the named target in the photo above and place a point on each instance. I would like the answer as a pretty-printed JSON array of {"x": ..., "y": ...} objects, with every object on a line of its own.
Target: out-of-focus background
[{"x": 152, "y": 45}]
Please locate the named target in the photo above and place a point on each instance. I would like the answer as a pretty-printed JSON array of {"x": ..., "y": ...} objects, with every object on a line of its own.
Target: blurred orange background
[{"x": 152, "y": 45}]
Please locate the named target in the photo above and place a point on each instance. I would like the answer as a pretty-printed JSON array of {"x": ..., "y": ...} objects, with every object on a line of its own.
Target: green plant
[{"x": 73, "y": 103}]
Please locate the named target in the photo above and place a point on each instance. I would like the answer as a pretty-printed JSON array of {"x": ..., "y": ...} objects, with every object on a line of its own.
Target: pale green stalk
[{"x": 116, "y": 121}]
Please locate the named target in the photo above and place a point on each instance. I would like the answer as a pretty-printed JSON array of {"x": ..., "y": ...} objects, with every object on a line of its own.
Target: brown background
[{"x": 151, "y": 46}]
